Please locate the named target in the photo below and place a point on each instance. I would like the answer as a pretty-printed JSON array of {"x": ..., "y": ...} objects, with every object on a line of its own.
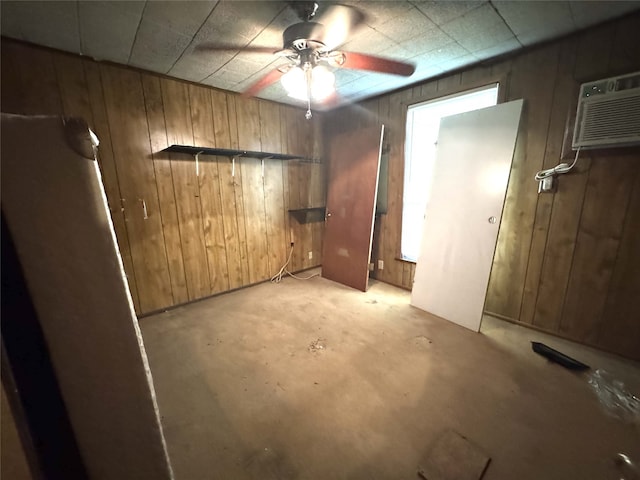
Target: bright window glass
[{"x": 423, "y": 125}]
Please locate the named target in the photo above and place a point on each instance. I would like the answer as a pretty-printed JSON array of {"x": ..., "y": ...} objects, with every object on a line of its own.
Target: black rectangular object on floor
[{"x": 558, "y": 357}]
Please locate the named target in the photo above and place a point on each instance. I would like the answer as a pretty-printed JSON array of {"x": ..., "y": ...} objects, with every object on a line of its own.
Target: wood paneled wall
[
  {"x": 202, "y": 234},
  {"x": 566, "y": 263}
]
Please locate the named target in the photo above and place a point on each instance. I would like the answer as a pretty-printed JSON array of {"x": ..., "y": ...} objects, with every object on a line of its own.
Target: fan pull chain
[{"x": 308, "y": 78}]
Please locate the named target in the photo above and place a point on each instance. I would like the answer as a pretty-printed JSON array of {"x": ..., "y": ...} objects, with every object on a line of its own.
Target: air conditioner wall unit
[{"x": 608, "y": 113}]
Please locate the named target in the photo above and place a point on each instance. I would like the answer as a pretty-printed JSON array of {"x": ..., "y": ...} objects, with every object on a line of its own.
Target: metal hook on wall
[{"x": 145, "y": 214}]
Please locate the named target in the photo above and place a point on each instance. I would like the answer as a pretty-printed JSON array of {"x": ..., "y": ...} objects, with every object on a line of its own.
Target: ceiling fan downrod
[{"x": 305, "y": 10}]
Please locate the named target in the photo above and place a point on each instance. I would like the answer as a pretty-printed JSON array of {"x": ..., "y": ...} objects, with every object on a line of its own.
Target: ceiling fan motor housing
[{"x": 302, "y": 36}]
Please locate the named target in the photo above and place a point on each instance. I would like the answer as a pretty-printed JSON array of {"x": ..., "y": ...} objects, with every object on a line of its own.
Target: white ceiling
[{"x": 160, "y": 36}]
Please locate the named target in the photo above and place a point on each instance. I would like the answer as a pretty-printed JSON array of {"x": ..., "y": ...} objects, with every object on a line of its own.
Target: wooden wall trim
[
  {"x": 460, "y": 88},
  {"x": 443, "y": 89}
]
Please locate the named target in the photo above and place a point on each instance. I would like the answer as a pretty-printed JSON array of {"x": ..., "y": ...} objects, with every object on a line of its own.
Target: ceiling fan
[{"x": 309, "y": 47}]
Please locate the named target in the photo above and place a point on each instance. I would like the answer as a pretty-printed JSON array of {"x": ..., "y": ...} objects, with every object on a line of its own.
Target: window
[{"x": 423, "y": 123}]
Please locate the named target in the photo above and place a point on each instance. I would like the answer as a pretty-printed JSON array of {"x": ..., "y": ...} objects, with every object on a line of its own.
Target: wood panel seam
[
  {"x": 204, "y": 236},
  {"x": 535, "y": 210},
  {"x": 599, "y": 322},
  {"x": 157, "y": 190},
  {"x": 573, "y": 252},
  {"x": 119, "y": 206}
]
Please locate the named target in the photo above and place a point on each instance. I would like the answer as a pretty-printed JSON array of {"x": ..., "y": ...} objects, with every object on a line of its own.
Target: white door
[{"x": 470, "y": 177}]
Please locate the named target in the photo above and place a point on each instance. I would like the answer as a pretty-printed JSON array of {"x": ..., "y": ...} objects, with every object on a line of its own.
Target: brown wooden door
[{"x": 354, "y": 164}]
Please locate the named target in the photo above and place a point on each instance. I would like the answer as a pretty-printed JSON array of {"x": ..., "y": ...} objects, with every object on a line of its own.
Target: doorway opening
[{"x": 423, "y": 125}]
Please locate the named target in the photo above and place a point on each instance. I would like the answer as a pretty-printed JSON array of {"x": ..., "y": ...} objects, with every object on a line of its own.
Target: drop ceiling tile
[
  {"x": 238, "y": 23},
  {"x": 240, "y": 65},
  {"x": 426, "y": 42},
  {"x": 437, "y": 56},
  {"x": 227, "y": 76},
  {"x": 390, "y": 84},
  {"x": 178, "y": 16},
  {"x": 353, "y": 98},
  {"x": 344, "y": 76},
  {"x": 273, "y": 95},
  {"x": 52, "y": 24},
  {"x": 259, "y": 60},
  {"x": 347, "y": 77},
  {"x": 487, "y": 39},
  {"x": 368, "y": 41},
  {"x": 275, "y": 90},
  {"x": 467, "y": 31},
  {"x": 478, "y": 29},
  {"x": 109, "y": 28},
  {"x": 397, "y": 52},
  {"x": 536, "y": 36},
  {"x": 456, "y": 63},
  {"x": 369, "y": 81},
  {"x": 426, "y": 71},
  {"x": 406, "y": 26},
  {"x": 509, "y": 45},
  {"x": 586, "y": 14},
  {"x": 377, "y": 12},
  {"x": 443, "y": 12},
  {"x": 197, "y": 66},
  {"x": 221, "y": 84},
  {"x": 537, "y": 19},
  {"x": 12, "y": 16},
  {"x": 272, "y": 91},
  {"x": 156, "y": 48},
  {"x": 165, "y": 31},
  {"x": 353, "y": 88},
  {"x": 270, "y": 37},
  {"x": 352, "y": 85}
]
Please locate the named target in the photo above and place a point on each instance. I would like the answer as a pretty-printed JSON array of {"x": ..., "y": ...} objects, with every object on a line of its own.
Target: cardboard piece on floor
[{"x": 453, "y": 457}]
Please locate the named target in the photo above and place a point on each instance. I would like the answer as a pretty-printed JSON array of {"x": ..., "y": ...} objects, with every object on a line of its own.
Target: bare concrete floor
[{"x": 245, "y": 392}]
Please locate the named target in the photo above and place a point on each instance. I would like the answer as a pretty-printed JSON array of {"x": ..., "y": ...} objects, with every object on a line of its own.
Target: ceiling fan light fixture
[
  {"x": 294, "y": 83},
  {"x": 322, "y": 83}
]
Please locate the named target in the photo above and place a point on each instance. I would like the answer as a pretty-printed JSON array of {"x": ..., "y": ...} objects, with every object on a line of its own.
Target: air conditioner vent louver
[{"x": 609, "y": 113}]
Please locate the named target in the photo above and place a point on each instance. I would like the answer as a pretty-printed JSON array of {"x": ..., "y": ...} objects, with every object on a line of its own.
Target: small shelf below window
[
  {"x": 232, "y": 153},
  {"x": 308, "y": 215}
]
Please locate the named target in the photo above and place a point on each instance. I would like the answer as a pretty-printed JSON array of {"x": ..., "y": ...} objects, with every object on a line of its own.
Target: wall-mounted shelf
[
  {"x": 308, "y": 215},
  {"x": 232, "y": 153}
]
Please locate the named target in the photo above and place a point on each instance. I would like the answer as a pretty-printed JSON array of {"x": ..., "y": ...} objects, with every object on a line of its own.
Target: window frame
[{"x": 440, "y": 88}]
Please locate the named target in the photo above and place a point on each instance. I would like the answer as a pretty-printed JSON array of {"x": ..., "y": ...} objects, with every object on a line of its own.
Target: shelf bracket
[
  {"x": 269, "y": 157},
  {"x": 197, "y": 164},
  {"x": 233, "y": 164}
]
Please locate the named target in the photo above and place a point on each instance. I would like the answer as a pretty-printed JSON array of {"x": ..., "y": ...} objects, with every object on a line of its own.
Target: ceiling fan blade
[
  {"x": 360, "y": 61},
  {"x": 221, "y": 47},
  {"x": 269, "y": 79},
  {"x": 337, "y": 23}
]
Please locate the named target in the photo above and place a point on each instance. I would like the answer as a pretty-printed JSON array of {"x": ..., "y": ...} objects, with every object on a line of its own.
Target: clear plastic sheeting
[
  {"x": 626, "y": 467},
  {"x": 613, "y": 396}
]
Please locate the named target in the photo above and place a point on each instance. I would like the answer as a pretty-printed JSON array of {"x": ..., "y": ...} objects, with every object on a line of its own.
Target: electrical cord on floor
[
  {"x": 559, "y": 169},
  {"x": 277, "y": 278}
]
